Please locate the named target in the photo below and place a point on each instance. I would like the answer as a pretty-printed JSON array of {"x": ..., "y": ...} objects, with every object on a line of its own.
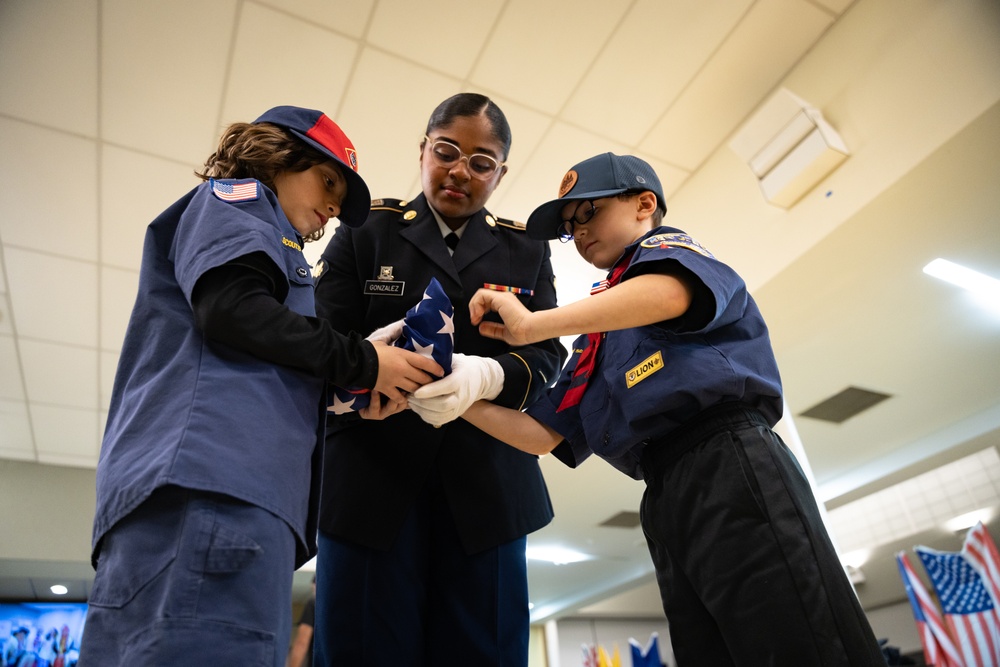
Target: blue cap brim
[{"x": 544, "y": 222}]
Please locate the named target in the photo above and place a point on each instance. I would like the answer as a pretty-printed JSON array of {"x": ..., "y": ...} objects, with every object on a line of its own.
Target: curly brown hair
[{"x": 261, "y": 151}]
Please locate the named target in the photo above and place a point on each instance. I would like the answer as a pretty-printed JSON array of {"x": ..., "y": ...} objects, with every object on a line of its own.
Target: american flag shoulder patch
[{"x": 247, "y": 189}]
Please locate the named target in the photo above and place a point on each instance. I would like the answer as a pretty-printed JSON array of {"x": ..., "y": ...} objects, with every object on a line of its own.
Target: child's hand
[
  {"x": 402, "y": 372},
  {"x": 515, "y": 316},
  {"x": 377, "y": 411}
]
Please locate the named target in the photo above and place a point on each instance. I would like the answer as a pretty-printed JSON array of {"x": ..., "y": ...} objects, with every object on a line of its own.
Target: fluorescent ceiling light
[
  {"x": 964, "y": 277},
  {"x": 855, "y": 558},
  {"x": 965, "y": 521},
  {"x": 58, "y": 589},
  {"x": 557, "y": 555}
]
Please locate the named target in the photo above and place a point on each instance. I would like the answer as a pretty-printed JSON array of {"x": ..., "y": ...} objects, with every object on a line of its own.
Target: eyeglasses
[
  {"x": 584, "y": 213},
  {"x": 448, "y": 155}
]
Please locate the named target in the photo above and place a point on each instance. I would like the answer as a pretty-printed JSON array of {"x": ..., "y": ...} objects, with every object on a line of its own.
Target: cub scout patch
[
  {"x": 676, "y": 241},
  {"x": 648, "y": 366},
  {"x": 288, "y": 243},
  {"x": 236, "y": 191}
]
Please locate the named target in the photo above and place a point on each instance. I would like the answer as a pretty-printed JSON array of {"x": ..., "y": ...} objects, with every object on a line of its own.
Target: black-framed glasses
[
  {"x": 582, "y": 214},
  {"x": 447, "y": 155}
]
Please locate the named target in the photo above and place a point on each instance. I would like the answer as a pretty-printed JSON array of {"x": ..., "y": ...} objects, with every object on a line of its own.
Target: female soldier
[{"x": 423, "y": 530}]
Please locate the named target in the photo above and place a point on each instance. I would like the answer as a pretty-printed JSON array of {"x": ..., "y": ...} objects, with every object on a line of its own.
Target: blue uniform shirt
[
  {"x": 649, "y": 380},
  {"x": 198, "y": 414}
]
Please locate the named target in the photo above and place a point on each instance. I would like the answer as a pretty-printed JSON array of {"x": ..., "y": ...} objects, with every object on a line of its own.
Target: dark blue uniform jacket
[
  {"x": 649, "y": 380},
  {"x": 373, "y": 470},
  {"x": 201, "y": 415}
]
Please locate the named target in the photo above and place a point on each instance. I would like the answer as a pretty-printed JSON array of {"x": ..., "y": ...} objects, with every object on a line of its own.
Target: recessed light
[
  {"x": 963, "y": 522},
  {"x": 556, "y": 555},
  {"x": 974, "y": 281},
  {"x": 58, "y": 589}
]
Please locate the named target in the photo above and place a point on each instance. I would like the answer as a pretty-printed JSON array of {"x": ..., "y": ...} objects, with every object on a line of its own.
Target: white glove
[
  {"x": 387, "y": 334},
  {"x": 471, "y": 379}
]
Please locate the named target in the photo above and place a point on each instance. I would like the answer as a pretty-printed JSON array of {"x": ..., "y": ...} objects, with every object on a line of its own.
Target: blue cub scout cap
[
  {"x": 316, "y": 129},
  {"x": 601, "y": 176}
]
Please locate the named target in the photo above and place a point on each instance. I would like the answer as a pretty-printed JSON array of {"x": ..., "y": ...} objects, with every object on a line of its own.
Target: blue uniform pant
[
  {"x": 192, "y": 578},
  {"x": 746, "y": 571},
  {"x": 425, "y": 602}
]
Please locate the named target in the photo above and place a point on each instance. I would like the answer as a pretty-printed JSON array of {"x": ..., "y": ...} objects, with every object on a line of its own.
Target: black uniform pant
[
  {"x": 746, "y": 571},
  {"x": 423, "y": 603}
]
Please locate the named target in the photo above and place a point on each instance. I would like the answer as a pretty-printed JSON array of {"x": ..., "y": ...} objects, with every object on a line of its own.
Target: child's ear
[{"x": 646, "y": 204}]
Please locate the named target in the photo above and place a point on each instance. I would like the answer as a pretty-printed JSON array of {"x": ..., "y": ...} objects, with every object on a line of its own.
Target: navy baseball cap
[
  {"x": 601, "y": 176},
  {"x": 316, "y": 129}
]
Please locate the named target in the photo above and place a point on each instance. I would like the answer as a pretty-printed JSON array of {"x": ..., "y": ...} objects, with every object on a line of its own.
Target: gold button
[
  {"x": 409, "y": 215},
  {"x": 491, "y": 221}
]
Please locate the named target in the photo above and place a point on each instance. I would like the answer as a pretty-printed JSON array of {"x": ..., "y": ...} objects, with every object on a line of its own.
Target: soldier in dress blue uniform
[
  {"x": 422, "y": 530},
  {"x": 208, "y": 471},
  {"x": 676, "y": 384}
]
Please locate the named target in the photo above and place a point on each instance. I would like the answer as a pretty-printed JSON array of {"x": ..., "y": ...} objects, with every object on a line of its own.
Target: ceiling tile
[
  {"x": 344, "y": 16},
  {"x": 49, "y": 292},
  {"x": 554, "y": 41},
  {"x": 528, "y": 128},
  {"x": 450, "y": 45},
  {"x": 65, "y": 436},
  {"x": 162, "y": 67},
  {"x": 389, "y": 147},
  {"x": 15, "y": 431},
  {"x": 538, "y": 180},
  {"x": 313, "y": 74},
  {"x": 730, "y": 85},
  {"x": 135, "y": 188},
  {"x": 59, "y": 374},
  {"x": 118, "y": 291},
  {"x": 39, "y": 205},
  {"x": 687, "y": 34},
  {"x": 49, "y": 63},
  {"x": 11, "y": 382}
]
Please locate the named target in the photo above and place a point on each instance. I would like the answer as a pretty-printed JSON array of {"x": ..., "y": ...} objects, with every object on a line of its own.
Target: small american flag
[
  {"x": 236, "y": 191},
  {"x": 599, "y": 286},
  {"x": 968, "y": 609},
  {"x": 939, "y": 648}
]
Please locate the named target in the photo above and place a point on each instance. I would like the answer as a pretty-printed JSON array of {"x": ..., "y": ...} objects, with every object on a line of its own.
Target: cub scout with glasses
[{"x": 674, "y": 382}]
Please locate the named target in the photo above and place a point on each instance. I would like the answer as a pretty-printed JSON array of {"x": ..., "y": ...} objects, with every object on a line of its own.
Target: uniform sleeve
[
  {"x": 528, "y": 370},
  {"x": 239, "y": 304},
  {"x": 573, "y": 450}
]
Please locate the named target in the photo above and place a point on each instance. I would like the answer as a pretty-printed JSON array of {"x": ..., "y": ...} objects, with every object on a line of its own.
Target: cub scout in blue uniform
[
  {"x": 682, "y": 391},
  {"x": 207, "y": 479}
]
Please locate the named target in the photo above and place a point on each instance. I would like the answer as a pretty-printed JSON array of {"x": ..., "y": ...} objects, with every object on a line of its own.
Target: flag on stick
[
  {"x": 968, "y": 610},
  {"x": 939, "y": 648},
  {"x": 648, "y": 657},
  {"x": 981, "y": 552}
]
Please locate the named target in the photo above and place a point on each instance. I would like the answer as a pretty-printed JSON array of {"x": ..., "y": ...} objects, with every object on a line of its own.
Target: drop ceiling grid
[{"x": 920, "y": 503}]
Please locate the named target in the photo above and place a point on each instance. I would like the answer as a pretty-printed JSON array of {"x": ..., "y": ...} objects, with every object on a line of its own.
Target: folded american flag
[{"x": 428, "y": 329}]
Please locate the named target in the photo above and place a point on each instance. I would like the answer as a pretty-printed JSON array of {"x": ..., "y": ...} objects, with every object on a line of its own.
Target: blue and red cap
[
  {"x": 601, "y": 176},
  {"x": 317, "y": 130}
]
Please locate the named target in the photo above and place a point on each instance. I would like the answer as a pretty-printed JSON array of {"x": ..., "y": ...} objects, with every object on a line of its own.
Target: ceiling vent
[
  {"x": 846, "y": 404},
  {"x": 623, "y": 520},
  {"x": 789, "y": 146}
]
